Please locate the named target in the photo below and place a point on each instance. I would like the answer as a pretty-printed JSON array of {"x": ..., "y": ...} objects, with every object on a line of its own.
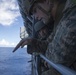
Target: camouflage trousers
[{"x": 51, "y": 71}]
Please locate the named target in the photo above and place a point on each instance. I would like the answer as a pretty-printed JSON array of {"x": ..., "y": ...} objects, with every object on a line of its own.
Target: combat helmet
[
  {"x": 26, "y": 5},
  {"x": 38, "y": 26}
]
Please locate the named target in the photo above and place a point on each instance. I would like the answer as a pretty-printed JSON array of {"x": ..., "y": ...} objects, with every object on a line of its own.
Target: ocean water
[{"x": 14, "y": 63}]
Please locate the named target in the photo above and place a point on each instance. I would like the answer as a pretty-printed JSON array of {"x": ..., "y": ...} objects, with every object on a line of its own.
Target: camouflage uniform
[
  {"x": 64, "y": 42},
  {"x": 62, "y": 49}
]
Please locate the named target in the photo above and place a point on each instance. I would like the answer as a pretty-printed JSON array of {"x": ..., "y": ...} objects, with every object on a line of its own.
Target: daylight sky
[{"x": 10, "y": 23}]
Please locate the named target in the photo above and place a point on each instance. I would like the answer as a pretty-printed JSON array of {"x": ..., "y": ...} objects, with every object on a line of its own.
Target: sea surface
[{"x": 14, "y": 63}]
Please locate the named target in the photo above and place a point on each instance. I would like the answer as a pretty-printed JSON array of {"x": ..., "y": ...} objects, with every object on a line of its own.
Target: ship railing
[{"x": 59, "y": 67}]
